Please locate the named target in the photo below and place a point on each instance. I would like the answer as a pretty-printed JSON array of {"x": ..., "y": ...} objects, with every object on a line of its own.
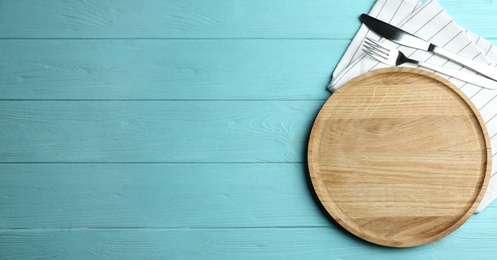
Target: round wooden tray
[{"x": 399, "y": 157}]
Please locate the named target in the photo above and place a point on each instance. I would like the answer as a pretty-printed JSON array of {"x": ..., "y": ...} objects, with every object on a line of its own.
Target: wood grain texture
[
  {"x": 399, "y": 157},
  {"x": 155, "y": 131},
  {"x": 202, "y": 19},
  {"x": 174, "y": 195},
  {"x": 179, "y": 19},
  {"x": 244, "y": 243},
  {"x": 174, "y": 69}
]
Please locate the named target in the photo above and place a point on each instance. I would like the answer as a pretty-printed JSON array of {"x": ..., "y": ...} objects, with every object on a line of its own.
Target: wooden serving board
[{"x": 399, "y": 157}]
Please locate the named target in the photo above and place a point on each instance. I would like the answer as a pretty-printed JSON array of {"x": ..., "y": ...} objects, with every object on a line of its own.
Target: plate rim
[{"x": 333, "y": 208}]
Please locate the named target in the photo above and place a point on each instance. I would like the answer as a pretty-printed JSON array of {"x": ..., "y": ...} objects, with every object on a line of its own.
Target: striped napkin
[{"x": 429, "y": 21}]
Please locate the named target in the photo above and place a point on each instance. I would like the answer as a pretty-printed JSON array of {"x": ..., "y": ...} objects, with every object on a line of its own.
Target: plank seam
[
  {"x": 181, "y": 39},
  {"x": 161, "y": 100},
  {"x": 200, "y": 163},
  {"x": 160, "y": 228}
]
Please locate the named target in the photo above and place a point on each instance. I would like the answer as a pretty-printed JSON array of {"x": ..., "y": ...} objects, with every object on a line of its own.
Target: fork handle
[{"x": 470, "y": 78}]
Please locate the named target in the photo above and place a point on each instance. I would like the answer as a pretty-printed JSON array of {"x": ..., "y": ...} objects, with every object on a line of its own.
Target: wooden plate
[{"x": 399, "y": 157}]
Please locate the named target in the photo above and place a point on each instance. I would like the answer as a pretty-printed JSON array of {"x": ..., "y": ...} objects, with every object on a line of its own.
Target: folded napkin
[{"x": 429, "y": 21}]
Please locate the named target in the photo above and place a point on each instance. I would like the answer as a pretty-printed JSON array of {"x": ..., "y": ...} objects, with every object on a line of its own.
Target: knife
[{"x": 402, "y": 37}]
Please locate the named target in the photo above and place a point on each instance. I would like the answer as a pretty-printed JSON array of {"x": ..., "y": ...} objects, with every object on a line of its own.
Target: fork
[{"x": 394, "y": 57}]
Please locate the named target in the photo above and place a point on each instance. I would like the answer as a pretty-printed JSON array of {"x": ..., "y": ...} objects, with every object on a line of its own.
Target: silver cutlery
[
  {"x": 402, "y": 37},
  {"x": 393, "y": 57}
]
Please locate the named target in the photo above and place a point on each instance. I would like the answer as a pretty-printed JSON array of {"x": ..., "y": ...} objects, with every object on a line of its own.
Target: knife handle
[
  {"x": 479, "y": 67},
  {"x": 470, "y": 78}
]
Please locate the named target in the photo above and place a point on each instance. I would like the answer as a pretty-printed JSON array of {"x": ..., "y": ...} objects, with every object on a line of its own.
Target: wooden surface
[
  {"x": 179, "y": 129},
  {"x": 399, "y": 157}
]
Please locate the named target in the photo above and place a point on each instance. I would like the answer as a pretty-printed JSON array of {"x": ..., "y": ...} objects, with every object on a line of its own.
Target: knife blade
[{"x": 402, "y": 37}]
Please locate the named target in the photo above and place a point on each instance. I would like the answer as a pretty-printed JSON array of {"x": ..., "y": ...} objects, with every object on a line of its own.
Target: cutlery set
[{"x": 393, "y": 57}]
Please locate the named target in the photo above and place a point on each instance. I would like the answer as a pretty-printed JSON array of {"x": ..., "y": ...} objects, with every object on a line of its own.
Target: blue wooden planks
[
  {"x": 168, "y": 69},
  {"x": 239, "y": 243},
  {"x": 160, "y": 195},
  {"x": 208, "y": 19},
  {"x": 179, "y": 19},
  {"x": 178, "y": 129},
  {"x": 155, "y": 131}
]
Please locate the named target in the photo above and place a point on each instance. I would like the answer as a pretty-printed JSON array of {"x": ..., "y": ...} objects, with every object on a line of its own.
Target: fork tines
[{"x": 375, "y": 48}]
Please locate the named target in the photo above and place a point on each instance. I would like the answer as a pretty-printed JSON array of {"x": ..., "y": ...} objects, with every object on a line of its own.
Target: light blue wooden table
[{"x": 178, "y": 129}]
